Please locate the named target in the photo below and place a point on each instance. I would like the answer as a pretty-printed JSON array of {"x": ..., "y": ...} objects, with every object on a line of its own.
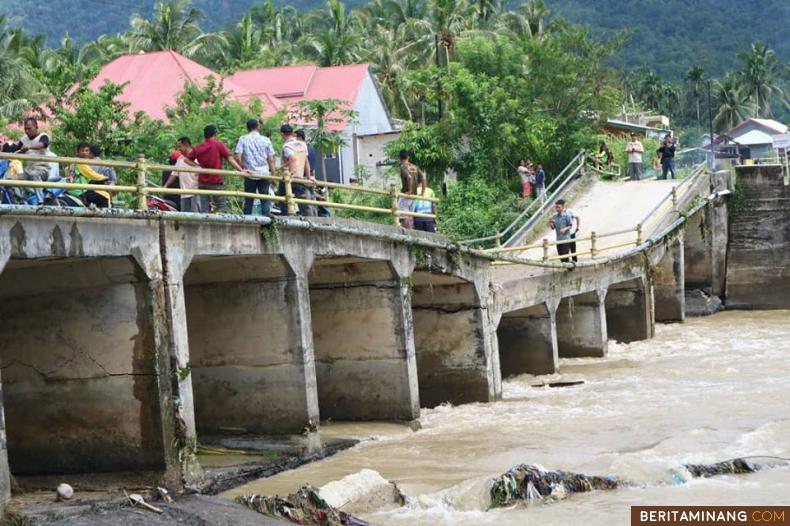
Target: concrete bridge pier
[
  {"x": 86, "y": 378},
  {"x": 669, "y": 283},
  {"x": 630, "y": 314},
  {"x": 365, "y": 362},
  {"x": 581, "y": 325},
  {"x": 528, "y": 340},
  {"x": 452, "y": 335}
]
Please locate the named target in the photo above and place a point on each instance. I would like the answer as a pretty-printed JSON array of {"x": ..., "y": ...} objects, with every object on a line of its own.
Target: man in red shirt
[{"x": 209, "y": 154}]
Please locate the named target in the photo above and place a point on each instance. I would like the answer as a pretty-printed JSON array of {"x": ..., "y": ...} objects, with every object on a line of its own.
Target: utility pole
[{"x": 710, "y": 125}]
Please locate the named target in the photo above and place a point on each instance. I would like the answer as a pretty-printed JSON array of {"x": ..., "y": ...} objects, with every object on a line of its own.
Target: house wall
[
  {"x": 372, "y": 117},
  {"x": 370, "y": 152}
]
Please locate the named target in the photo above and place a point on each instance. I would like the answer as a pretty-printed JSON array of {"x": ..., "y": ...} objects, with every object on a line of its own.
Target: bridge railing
[
  {"x": 612, "y": 170},
  {"x": 667, "y": 204},
  {"x": 535, "y": 208},
  {"x": 141, "y": 190}
]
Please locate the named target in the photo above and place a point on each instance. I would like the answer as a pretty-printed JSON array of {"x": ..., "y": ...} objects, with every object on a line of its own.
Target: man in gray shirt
[{"x": 565, "y": 223}]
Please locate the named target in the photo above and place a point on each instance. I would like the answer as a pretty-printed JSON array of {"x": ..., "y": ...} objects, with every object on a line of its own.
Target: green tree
[
  {"x": 175, "y": 26},
  {"x": 325, "y": 118},
  {"x": 733, "y": 102},
  {"x": 761, "y": 74},
  {"x": 695, "y": 78}
]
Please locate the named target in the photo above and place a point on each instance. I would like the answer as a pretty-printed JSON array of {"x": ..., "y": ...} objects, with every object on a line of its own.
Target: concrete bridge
[{"x": 126, "y": 336}]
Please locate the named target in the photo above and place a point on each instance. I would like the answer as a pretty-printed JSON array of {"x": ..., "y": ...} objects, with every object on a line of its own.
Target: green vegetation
[{"x": 480, "y": 85}]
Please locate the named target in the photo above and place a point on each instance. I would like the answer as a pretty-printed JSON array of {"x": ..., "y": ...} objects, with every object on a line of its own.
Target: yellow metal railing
[{"x": 141, "y": 169}]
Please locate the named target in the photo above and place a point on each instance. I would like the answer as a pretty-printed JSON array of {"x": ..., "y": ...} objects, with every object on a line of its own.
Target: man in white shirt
[
  {"x": 634, "y": 149},
  {"x": 255, "y": 154}
]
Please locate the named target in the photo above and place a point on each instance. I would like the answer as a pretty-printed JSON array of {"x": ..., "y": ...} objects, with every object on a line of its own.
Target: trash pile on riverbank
[{"x": 305, "y": 506}]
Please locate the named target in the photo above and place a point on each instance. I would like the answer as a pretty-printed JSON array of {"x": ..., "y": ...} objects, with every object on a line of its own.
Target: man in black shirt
[{"x": 667, "y": 153}]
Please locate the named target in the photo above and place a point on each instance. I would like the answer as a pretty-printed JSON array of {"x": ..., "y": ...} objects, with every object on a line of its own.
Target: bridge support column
[
  {"x": 251, "y": 359},
  {"x": 630, "y": 311},
  {"x": 5, "y": 471},
  {"x": 581, "y": 326},
  {"x": 452, "y": 341},
  {"x": 670, "y": 284},
  {"x": 364, "y": 342},
  {"x": 528, "y": 341}
]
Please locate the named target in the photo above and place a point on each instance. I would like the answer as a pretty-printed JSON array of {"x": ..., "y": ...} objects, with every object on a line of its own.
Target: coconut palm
[
  {"x": 335, "y": 37},
  {"x": 175, "y": 26},
  {"x": 19, "y": 87},
  {"x": 695, "y": 77},
  {"x": 761, "y": 74},
  {"x": 733, "y": 102}
]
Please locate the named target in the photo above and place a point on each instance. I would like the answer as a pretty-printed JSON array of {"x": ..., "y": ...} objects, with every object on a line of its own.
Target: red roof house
[
  {"x": 155, "y": 80},
  {"x": 351, "y": 83}
]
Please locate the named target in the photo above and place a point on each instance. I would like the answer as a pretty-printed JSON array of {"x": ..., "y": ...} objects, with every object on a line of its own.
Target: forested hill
[{"x": 667, "y": 35}]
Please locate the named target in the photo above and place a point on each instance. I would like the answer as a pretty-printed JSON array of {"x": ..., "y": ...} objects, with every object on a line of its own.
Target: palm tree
[
  {"x": 761, "y": 74},
  {"x": 19, "y": 88},
  {"x": 536, "y": 12},
  {"x": 336, "y": 36},
  {"x": 733, "y": 102},
  {"x": 695, "y": 77},
  {"x": 175, "y": 26}
]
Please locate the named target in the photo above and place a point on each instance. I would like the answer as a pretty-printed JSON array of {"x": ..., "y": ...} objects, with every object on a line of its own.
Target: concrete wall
[
  {"x": 629, "y": 311},
  {"x": 669, "y": 283},
  {"x": 79, "y": 367},
  {"x": 363, "y": 341},
  {"x": 697, "y": 257},
  {"x": 758, "y": 272},
  {"x": 581, "y": 326},
  {"x": 528, "y": 341},
  {"x": 450, "y": 341},
  {"x": 246, "y": 358}
]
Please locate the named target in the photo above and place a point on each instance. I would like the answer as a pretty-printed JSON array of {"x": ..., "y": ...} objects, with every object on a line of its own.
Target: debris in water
[
  {"x": 528, "y": 482},
  {"x": 306, "y": 506},
  {"x": 362, "y": 492},
  {"x": 559, "y": 384},
  {"x": 65, "y": 492}
]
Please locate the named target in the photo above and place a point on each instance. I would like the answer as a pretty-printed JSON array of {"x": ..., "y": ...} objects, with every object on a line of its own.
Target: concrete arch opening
[
  {"x": 250, "y": 364},
  {"x": 630, "y": 311},
  {"x": 581, "y": 326},
  {"x": 453, "y": 363},
  {"x": 84, "y": 372},
  {"x": 363, "y": 341},
  {"x": 528, "y": 341}
]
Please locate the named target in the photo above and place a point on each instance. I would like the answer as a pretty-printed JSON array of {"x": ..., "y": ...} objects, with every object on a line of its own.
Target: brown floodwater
[{"x": 707, "y": 390}]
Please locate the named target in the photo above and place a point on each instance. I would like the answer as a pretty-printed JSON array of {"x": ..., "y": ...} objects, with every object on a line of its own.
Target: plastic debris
[
  {"x": 137, "y": 500},
  {"x": 530, "y": 482},
  {"x": 526, "y": 482},
  {"x": 305, "y": 506},
  {"x": 65, "y": 492}
]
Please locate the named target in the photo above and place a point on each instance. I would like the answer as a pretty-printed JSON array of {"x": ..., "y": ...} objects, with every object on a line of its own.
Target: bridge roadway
[{"x": 127, "y": 335}]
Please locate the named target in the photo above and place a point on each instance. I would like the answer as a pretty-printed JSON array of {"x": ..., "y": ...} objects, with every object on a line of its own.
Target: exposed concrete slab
[
  {"x": 528, "y": 341},
  {"x": 629, "y": 311},
  {"x": 581, "y": 326},
  {"x": 758, "y": 275},
  {"x": 669, "y": 283}
]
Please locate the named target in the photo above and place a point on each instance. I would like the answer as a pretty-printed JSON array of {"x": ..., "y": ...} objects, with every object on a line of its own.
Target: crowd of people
[{"x": 254, "y": 155}]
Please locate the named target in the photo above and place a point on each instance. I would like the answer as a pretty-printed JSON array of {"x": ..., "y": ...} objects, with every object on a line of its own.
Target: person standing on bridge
[
  {"x": 255, "y": 153},
  {"x": 295, "y": 160},
  {"x": 209, "y": 154},
  {"x": 566, "y": 224},
  {"x": 634, "y": 149},
  {"x": 667, "y": 153}
]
